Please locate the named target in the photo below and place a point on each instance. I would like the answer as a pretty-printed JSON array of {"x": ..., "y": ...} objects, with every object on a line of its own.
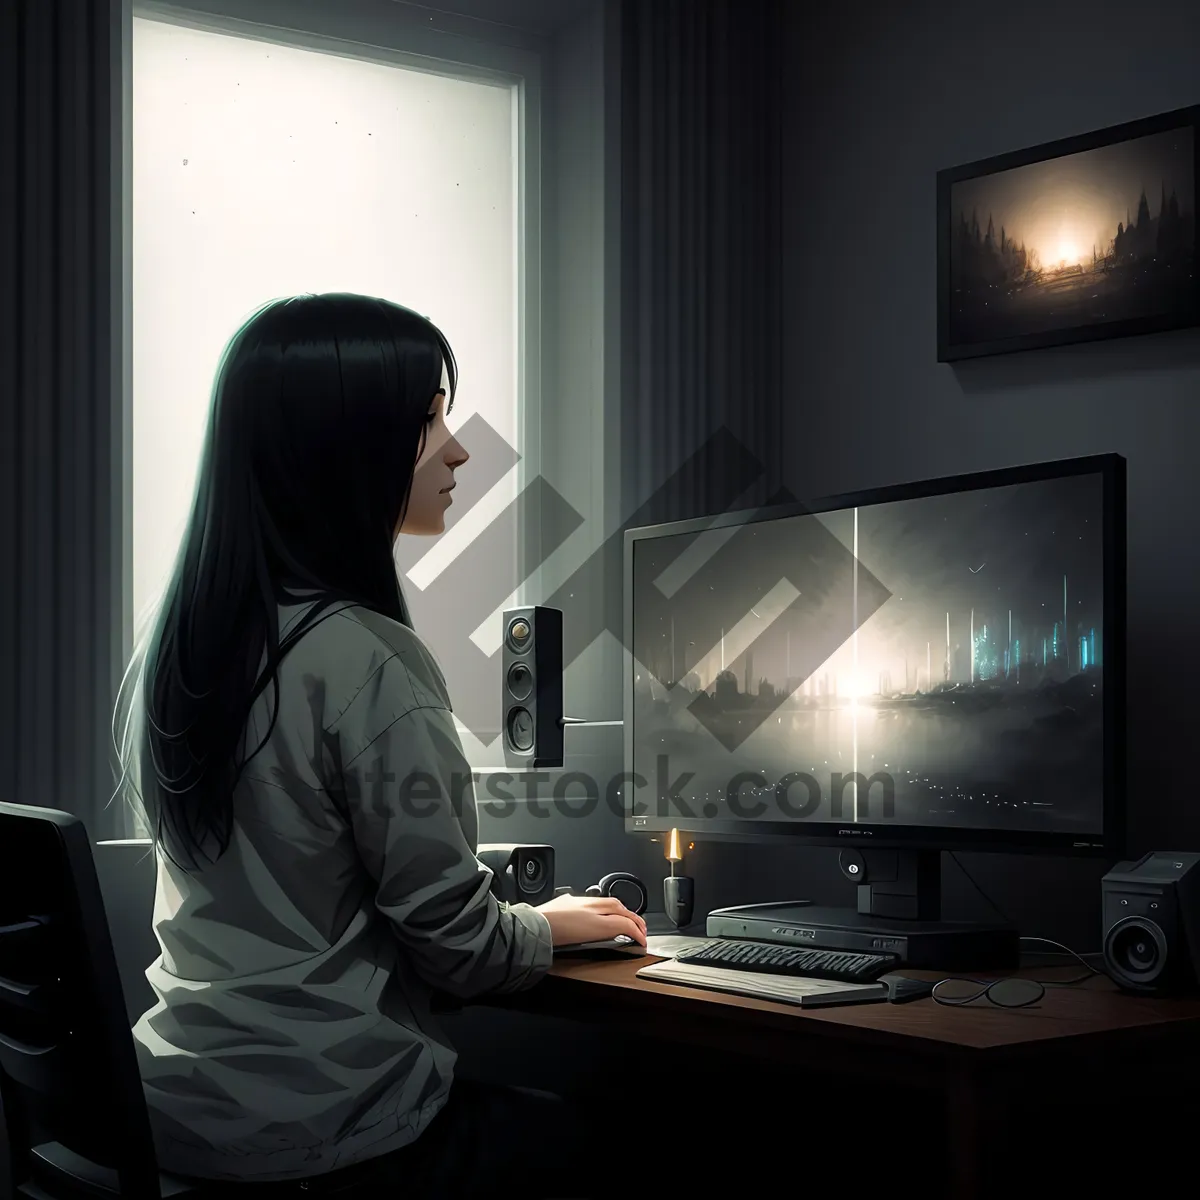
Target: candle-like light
[
  {"x": 674, "y": 854},
  {"x": 678, "y": 889}
]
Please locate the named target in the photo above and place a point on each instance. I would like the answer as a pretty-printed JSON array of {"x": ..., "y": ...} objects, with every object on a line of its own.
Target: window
[{"x": 263, "y": 169}]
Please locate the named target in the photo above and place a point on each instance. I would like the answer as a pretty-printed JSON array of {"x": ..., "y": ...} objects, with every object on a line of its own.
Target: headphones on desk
[{"x": 623, "y": 878}]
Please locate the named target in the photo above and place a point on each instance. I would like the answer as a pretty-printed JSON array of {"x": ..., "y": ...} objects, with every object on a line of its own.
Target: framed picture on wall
[{"x": 1073, "y": 241}]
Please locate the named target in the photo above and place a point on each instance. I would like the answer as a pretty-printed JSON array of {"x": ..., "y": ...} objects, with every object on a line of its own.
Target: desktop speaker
[
  {"x": 520, "y": 874},
  {"x": 532, "y": 683},
  {"x": 1151, "y": 923}
]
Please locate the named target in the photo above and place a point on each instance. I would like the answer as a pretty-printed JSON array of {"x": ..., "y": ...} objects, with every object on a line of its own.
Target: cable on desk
[{"x": 1010, "y": 992}]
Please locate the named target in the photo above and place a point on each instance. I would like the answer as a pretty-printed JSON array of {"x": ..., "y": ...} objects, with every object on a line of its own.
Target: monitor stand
[{"x": 899, "y": 912}]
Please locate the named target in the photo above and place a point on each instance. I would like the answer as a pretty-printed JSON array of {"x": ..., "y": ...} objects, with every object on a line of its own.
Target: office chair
[
  {"x": 72, "y": 1110},
  {"x": 70, "y": 1092}
]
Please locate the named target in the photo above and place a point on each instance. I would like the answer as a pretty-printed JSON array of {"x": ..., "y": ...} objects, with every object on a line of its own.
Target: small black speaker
[
  {"x": 521, "y": 874},
  {"x": 1151, "y": 923},
  {"x": 532, "y": 687}
]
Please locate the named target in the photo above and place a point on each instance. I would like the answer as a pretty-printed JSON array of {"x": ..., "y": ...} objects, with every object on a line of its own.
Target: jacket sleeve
[{"x": 411, "y": 803}]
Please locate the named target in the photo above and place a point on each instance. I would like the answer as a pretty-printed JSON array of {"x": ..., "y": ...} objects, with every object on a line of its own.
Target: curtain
[
  {"x": 700, "y": 317},
  {"x": 701, "y": 306},
  {"x": 62, "y": 392}
]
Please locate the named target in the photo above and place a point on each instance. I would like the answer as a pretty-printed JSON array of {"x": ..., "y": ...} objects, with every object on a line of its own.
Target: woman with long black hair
[{"x": 310, "y": 901}]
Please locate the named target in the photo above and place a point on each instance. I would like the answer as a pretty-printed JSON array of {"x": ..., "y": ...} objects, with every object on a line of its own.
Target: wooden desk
[{"x": 1078, "y": 1042}]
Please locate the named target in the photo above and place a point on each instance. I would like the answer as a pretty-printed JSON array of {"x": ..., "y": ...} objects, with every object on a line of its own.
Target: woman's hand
[{"x": 591, "y": 919}]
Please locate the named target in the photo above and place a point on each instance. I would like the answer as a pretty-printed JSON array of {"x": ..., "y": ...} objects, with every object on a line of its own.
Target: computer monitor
[{"x": 934, "y": 666}]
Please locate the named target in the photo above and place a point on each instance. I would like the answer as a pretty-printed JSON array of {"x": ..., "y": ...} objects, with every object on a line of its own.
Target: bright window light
[{"x": 263, "y": 170}]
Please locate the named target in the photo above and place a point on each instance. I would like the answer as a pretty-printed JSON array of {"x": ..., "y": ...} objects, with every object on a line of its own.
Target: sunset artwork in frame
[{"x": 1073, "y": 241}]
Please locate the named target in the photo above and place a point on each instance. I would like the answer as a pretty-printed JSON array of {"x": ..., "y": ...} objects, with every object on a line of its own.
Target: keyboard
[{"x": 845, "y": 966}]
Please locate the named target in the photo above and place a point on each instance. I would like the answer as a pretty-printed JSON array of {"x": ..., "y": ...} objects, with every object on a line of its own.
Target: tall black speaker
[
  {"x": 532, "y": 687},
  {"x": 1151, "y": 935}
]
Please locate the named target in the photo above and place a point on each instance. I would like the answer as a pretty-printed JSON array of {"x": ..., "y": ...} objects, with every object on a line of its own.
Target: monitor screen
[{"x": 932, "y": 666}]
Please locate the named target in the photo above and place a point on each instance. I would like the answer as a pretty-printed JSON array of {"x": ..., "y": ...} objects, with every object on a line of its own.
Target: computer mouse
[
  {"x": 620, "y": 946},
  {"x": 902, "y": 990}
]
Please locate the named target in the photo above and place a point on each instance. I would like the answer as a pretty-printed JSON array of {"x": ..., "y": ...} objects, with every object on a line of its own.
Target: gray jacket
[{"x": 293, "y": 1032}]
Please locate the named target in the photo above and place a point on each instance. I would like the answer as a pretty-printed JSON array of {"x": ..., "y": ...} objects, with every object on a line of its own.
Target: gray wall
[{"x": 877, "y": 102}]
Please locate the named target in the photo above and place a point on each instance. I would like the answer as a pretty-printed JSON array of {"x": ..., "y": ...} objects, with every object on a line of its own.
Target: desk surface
[
  {"x": 989, "y": 1066},
  {"x": 1090, "y": 1016}
]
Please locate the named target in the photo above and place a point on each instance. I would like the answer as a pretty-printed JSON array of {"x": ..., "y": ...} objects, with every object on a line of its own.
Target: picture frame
[{"x": 1033, "y": 250}]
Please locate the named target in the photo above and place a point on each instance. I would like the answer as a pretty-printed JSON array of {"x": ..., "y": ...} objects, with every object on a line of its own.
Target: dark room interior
[{"x": 735, "y": 231}]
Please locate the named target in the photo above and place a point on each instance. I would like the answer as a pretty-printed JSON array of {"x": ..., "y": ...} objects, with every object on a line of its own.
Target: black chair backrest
[{"x": 70, "y": 1089}]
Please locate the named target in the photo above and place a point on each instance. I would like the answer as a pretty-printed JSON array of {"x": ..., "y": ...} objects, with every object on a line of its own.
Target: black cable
[
  {"x": 986, "y": 987},
  {"x": 1092, "y": 972},
  {"x": 971, "y": 880}
]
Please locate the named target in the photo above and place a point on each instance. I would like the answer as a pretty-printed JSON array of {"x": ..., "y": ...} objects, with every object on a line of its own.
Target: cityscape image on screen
[{"x": 936, "y": 661}]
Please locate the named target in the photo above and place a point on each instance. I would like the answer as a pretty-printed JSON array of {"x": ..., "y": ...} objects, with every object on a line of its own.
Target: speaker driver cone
[
  {"x": 532, "y": 876},
  {"x": 1137, "y": 950},
  {"x": 519, "y": 728},
  {"x": 520, "y": 634},
  {"x": 520, "y": 681}
]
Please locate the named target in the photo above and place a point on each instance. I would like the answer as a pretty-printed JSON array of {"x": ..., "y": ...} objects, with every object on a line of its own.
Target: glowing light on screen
[
  {"x": 862, "y": 686},
  {"x": 1068, "y": 253}
]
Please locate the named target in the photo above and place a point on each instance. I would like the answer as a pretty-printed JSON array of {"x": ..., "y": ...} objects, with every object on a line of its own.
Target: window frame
[{"x": 387, "y": 33}]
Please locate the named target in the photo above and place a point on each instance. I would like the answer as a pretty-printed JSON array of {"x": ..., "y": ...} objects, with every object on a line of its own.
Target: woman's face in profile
[{"x": 433, "y": 477}]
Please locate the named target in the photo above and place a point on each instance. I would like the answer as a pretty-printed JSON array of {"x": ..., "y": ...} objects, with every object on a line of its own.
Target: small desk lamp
[{"x": 678, "y": 890}]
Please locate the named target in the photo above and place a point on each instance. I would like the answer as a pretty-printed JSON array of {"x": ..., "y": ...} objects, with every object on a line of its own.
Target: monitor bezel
[{"x": 1108, "y": 843}]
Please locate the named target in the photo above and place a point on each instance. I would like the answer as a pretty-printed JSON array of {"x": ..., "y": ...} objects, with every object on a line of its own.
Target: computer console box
[{"x": 922, "y": 945}]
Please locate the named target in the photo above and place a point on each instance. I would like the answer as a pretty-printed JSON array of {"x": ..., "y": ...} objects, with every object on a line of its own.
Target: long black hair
[{"x": 319, "y": 412}]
